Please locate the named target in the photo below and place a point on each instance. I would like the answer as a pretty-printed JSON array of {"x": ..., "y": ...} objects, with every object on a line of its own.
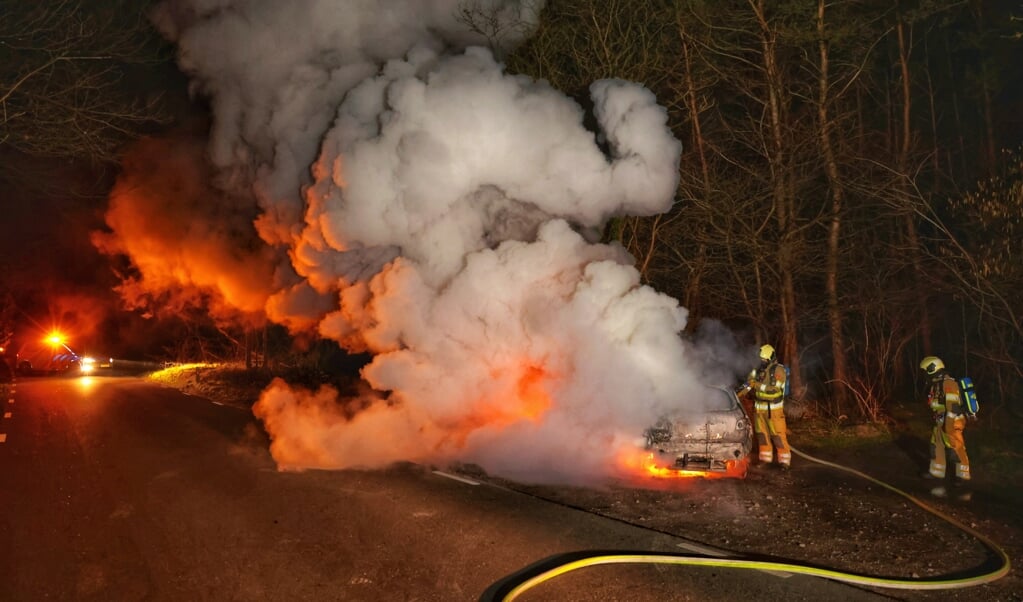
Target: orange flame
[
  {"x": 641, "y": 463},
  {"x": 533, "y": 398}
]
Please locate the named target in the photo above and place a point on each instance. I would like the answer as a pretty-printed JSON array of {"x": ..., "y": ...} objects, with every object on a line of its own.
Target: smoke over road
[{"x": 414, "y": 200}]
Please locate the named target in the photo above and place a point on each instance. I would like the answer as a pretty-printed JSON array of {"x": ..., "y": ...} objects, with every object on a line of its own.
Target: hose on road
[{"x": 512, "y": 586}]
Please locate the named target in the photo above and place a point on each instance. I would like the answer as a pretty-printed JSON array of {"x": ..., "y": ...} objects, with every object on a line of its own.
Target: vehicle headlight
[{"x": 88, "y": 364}]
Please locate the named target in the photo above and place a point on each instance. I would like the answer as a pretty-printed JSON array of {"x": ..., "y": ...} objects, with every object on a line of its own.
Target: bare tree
[
  {"x": 835, "y": 317},
  {"x": 495, "y": 24},
  {"x": 70, "y": 76},
  {"x": 845, "y": 46},
  {"x": 989, "y": 274}
]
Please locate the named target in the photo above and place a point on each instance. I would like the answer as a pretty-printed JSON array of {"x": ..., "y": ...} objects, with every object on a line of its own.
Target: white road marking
[
  {"x": 455, "y": 477},
  {"x": 7, "y": 414},
  {"x": 3, "y": 437},
  {"x": 692, "y": 547},
  {"x": 11, "y": 400}
]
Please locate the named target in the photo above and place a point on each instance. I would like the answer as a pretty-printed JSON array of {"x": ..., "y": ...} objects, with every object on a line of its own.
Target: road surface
[{"x": 116, "y": 489}]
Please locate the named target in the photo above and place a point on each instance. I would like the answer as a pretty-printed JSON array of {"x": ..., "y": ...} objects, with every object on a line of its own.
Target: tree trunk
[
  {"x": 839, "y": 374},
  {"x": 902, "y": 167},
  {"x": 693, "y": 106},
  {"x": 986, "y": 109},
  {"x": 783, "y": 201}
]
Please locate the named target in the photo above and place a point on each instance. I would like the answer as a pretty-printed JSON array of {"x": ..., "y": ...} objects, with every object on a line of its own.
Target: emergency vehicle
[{"x": 46, "y": 355}]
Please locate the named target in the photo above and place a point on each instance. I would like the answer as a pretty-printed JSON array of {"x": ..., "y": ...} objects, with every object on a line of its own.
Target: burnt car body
[{"x": 716, "y": 440}]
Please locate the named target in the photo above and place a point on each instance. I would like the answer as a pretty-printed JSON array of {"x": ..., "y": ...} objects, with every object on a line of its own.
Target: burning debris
[{"x": 428, "y": 207}]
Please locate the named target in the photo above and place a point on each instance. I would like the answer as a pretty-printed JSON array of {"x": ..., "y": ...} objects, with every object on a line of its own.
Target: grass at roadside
[
  {"x": 995, "y": 446},
  {"x": 233, "y": 384},
  {"x": 820, "y": 433}
]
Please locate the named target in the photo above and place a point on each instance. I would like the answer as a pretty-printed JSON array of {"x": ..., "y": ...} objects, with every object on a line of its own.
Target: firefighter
[
  {"x": 949, "y": 422},
  {"x": 767, "y": 384}
]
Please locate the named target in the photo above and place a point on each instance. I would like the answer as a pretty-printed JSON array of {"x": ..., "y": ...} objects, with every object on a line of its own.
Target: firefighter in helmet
[
  {"x": 767, "y": 384},
  {"x": 949, "y": 422}
]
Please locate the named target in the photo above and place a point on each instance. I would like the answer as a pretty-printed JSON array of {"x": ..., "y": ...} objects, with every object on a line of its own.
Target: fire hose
[{"x": 513, "y": 586}]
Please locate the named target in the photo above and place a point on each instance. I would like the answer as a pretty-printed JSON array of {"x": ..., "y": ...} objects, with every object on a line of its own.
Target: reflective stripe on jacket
[{"x": 768, "y": 384}]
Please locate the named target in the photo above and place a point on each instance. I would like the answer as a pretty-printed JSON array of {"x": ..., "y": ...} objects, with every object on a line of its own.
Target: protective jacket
[
  {"x": 949, "y": 422},
  {"x": 768, "y": 387}
]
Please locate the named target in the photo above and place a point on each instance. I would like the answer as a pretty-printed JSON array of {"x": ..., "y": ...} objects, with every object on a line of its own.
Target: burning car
[{"x": 712, "y": 442}]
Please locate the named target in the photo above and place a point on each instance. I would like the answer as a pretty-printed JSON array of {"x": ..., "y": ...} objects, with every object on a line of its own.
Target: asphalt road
[{"x": 115, "y": 489}]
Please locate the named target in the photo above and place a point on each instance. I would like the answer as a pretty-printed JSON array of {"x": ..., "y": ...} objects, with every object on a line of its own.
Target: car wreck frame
[{"x": 715, "y": 440}]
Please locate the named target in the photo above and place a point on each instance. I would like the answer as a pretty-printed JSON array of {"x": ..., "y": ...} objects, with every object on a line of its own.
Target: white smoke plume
[{"x": 443, "y": 215}]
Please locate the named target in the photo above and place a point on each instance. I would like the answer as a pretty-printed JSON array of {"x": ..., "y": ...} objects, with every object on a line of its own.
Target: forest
[{"x": 851, "y": 181}]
